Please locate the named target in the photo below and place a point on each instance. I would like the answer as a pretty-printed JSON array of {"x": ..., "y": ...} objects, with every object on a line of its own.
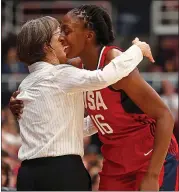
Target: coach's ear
[{"x": 47, "y": 48}]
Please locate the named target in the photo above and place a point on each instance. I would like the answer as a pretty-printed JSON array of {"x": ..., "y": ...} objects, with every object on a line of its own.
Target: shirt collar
[{"x": 39, "y": 65}]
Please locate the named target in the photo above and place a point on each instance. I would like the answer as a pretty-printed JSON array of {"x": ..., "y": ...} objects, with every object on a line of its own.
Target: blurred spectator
[
  {"x": 12, "y": 166},
  {"x": 5, "y": 171},
  {"x": 169, "y": 65},
  {"x": 92, "y": 161},
  {"x": 170, "y": 97},
  {"x": 167, "y": 56},
  {"x": 12, "y": 65},
  {"x": 9, "y": 41},
  {"x": 155, "y": 68},
  {"x": 95, "y": 182},
  {"x": 87, "y": 141},
  {"x": 10, "y": 145}
]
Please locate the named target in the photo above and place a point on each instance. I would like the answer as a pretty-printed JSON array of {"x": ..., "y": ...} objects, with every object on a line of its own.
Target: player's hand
[
  {"x": 145, "y": 48},
  {"x": 16, "y": 105},
  {"x": 150, "y": 183}
]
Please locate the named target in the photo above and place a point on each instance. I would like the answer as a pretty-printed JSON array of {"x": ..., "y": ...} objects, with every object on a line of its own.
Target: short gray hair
[{"x": 32, "y": 37}]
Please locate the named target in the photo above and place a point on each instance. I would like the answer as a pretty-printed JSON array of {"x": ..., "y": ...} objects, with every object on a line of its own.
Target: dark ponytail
[{"x": 97, "y": 19}]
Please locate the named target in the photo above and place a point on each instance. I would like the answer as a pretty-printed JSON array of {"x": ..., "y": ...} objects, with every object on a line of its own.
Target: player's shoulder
[{"x": 112, "y": 52}]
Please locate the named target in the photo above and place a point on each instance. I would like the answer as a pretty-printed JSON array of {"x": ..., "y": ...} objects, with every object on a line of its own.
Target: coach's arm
[{"x": 89, "y": 128}]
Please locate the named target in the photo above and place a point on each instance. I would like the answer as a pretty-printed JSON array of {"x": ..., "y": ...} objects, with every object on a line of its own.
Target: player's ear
[{"x": 90, "y": 35}]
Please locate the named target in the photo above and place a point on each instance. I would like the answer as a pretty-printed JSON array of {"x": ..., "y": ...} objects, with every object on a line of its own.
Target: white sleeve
[
  {"x": 71, "y": 79},
  {"x": 89, "y": 128}
]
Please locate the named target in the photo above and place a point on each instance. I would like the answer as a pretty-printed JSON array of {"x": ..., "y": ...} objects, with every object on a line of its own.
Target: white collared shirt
[{"x": 52, "y": 122}]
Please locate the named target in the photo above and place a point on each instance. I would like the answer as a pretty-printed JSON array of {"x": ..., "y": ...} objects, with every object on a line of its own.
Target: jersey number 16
[{"x": 103, "y": 127}]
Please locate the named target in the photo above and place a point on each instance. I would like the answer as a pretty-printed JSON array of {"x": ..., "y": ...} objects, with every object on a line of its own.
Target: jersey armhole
[{"x": 108, "y": 48}]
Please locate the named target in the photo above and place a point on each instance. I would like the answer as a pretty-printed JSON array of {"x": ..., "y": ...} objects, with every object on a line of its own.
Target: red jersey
[{"x": 127, "y": 134}]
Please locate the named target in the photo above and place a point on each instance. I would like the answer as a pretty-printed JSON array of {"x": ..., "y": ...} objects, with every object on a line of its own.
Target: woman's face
[
  {"x": 75, "y": 35},
  {"x": 57, "y": 44}
]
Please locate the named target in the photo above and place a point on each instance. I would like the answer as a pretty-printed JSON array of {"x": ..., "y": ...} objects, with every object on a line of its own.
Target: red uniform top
[{"x": 127, "y": 134}]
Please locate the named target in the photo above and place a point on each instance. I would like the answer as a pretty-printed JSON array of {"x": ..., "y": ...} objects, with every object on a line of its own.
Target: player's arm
[
  {"x": 146, "y": 98},
  {"x": 89, "y": 128},
  {"x": 150, "y": 103},
  {"x": 16, "y": 105}
]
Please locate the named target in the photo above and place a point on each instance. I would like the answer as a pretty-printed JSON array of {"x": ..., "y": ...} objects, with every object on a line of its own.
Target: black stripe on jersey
[
  {"x": 152, "y": 128},
  {"x": 128, "y": 105},
  {"x": 112, "y": 89}
]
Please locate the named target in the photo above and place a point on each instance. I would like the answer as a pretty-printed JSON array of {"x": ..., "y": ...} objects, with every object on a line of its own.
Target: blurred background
[{"x": 155, "y": 22}]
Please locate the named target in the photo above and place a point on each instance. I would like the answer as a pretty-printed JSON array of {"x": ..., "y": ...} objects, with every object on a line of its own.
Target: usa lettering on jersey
[{"x": 94, "y": 101}]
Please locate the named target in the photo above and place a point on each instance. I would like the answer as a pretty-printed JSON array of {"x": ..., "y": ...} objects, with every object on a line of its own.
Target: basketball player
[{"x": 133, "y": 123}]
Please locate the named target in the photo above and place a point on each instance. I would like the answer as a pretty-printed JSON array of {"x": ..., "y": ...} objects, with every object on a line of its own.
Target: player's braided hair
[{"x": 98, "y": 20}]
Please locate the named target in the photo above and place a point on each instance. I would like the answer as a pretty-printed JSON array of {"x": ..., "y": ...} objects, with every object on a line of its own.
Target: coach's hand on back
[{"x": 145, "y": 48}]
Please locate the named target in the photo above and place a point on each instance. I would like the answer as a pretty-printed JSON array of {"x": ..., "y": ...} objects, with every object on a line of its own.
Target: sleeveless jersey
[{"x": 127, "y": 134}]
